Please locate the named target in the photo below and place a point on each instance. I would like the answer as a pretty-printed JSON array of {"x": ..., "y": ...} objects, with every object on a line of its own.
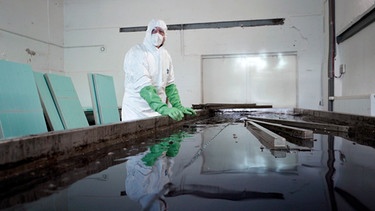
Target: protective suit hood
[{"x": 151, "y": 25}]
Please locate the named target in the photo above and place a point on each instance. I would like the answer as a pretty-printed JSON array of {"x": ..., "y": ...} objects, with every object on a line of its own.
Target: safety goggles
[{"x": 158, "y": 30}]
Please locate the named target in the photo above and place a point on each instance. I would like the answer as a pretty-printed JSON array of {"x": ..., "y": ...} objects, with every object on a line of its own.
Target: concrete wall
[
  {"x": 68, "y": 36},
  {"x": 93, "y": 24},
  {"x": 32, "y": 32},
  {"x": 357, "y": 52}
]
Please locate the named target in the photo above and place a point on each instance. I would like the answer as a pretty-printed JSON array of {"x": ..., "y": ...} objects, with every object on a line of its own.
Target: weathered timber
[
  {"x": 64, "y": 144},
  {"x": 361, "y": 127}
]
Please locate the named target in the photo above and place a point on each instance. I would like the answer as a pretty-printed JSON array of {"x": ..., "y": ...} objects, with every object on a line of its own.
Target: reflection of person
[
  {"x": 149, "y": 176},
  {"x": 144, "y": 183},
  {"x": 149, "y": 79},
  {"x": 149, "y": 173}
]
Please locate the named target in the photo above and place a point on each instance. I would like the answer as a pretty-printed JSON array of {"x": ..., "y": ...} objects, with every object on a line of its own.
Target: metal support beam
[
  {"x": 213, "y": 25},
  {"x": 362, "y": 23}
]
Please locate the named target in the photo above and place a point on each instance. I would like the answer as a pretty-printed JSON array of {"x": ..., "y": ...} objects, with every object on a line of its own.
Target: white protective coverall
[{"x": 145, "y": 65}]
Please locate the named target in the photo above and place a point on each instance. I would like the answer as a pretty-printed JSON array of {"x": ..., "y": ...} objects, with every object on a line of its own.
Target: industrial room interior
[
  {"x": 287, "y": 54},
  {"x": 58, "y": 32}
]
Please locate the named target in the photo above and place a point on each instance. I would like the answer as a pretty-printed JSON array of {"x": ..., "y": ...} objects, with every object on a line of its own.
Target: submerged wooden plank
[
  {"x": 103, "y": 97},
  {"x": 271, "y": 139},
  {"x": 289, "y": 130},
  {"x": 229, "y": 106},
  {"x": 21, "y": 112},
  {"x": 66, "y": 100},
  {"x": 306, "y": 125},
  {"x": 50, "y": 110}
]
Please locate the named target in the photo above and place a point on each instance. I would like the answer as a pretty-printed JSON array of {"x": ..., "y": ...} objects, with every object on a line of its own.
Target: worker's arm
[{"x": 149, "y": 93}]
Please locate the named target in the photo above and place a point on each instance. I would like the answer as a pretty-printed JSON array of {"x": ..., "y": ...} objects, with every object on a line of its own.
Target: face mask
[{"x": 156, "y": 39}]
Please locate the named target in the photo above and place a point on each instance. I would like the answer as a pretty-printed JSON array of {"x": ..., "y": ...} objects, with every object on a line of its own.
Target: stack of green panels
[
  {"x": 50, "y": 109},
  {"x": 66, "y": 100},
  {"x": 21, "y": 112},
  {"x": 103, "y": 97}
]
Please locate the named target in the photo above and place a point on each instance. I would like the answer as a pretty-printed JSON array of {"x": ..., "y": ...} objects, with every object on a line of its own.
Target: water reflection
[
  {"x": 235, "y": 149},
  {"x": 148, "y": 173},
  {"x": 214, "y": 167}
]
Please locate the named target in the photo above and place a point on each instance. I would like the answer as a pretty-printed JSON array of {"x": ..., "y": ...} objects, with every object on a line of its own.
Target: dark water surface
[{"x": 224, "y": 166}]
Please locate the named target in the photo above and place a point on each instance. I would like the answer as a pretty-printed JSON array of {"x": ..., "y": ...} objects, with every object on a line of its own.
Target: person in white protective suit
[
  {"x": 149, "y": 79},
  {"x": 148, "y": 174},
  {"x": 145, "y": 184}
]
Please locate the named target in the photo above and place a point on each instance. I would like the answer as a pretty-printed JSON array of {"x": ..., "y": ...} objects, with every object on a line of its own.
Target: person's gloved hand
[
  {"x": 149, "y": 93},
  {"x": 186, "y": 110},
  {"x": 174, "y": 113},
  {"x": 174, "y": 99}
]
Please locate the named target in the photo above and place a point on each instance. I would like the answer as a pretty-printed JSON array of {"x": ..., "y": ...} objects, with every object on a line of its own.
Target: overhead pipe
[{"x": 331, "y": 54}]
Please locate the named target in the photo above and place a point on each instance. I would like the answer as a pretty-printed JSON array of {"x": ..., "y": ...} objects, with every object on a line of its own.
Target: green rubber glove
[
  {"x": 149, "y": 93},
  {"x": 174, "y": 99}
]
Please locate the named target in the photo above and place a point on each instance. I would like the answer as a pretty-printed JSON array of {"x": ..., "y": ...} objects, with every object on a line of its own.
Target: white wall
[
  {"x": 35, "y": 25},
  {"x": 91, "y": 24},
  {"x": 357, "y": 52}
]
